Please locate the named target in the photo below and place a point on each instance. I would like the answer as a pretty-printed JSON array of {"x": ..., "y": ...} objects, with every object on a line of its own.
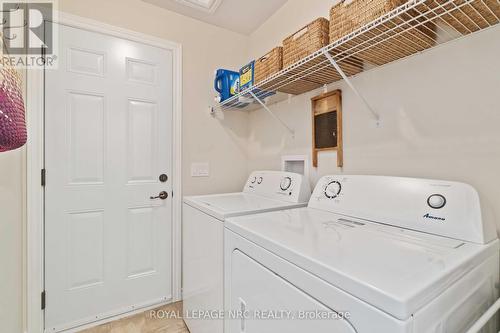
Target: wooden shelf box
[{"x": 327, "y": 125}]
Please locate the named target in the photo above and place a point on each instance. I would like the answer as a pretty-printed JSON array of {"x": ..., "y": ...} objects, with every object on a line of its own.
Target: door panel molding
[{"x": 34, "y": 241}]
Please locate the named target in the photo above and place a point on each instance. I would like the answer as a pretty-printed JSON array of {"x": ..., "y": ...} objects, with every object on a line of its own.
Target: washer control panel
[
  {"x": 288, "y": 186},
  {"x": 333, "y": 189},
  {"x": 449, "y": 209},
  {"x": 286, "y": 183}
]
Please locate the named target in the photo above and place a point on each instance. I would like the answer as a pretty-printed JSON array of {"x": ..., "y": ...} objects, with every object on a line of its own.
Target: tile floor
[{"x": 145, "y": 323}]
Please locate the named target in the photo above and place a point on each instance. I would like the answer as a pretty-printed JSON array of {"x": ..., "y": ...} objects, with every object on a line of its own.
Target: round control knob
[
  {"x": 286, "y": 183},
  {"x": 332, "y": 190},
  {"x": 253, "y": 180},
  {"x": 436, "y": 201},
  {"x": 259, "y": 181}
]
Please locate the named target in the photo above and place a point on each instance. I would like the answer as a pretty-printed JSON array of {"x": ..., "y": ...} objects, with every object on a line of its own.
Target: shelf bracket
[
  {"x": 375, "y": 115},
  {"x": 291, "y": 131}
]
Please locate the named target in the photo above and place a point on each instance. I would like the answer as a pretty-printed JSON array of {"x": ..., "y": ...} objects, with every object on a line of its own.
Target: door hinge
[
  {"x": 43, "y": 177},
  {"x": 44, "y": 55},
  {"x": 172, "y": 194},
  {"x": 43, "y": 300}
]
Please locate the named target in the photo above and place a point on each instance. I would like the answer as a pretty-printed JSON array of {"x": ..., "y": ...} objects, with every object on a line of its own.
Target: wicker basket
[
  {"x": 469, "y": 18},
  {"x": 269, "y": 64},
  {"x": 305, "y": 41},
  {"x": 345, "y": 18}
]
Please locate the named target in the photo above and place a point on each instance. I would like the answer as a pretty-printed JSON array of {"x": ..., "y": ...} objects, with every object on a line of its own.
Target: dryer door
[{"x": 263, "y": 302}]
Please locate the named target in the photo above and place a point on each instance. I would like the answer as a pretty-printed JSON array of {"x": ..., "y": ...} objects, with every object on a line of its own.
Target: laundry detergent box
[
  {"x": 226, "y": 83},
  {"x": 247, "y": 76}
]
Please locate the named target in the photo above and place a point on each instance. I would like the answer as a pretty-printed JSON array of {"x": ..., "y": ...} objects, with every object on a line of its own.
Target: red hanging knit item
[{"x": 12, "y": 120}]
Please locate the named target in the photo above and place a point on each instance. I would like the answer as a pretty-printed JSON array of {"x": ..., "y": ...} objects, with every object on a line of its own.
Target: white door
[{"x": 108, "y": 138}]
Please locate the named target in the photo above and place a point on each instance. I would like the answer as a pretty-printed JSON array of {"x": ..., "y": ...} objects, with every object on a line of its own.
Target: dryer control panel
[
  {"x": 444, "y": 208},
  {"x": 280, "y": 185}
]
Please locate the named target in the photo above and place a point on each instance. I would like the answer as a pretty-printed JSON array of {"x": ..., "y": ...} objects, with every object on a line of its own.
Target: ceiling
[{"x": 235, "y": 15}]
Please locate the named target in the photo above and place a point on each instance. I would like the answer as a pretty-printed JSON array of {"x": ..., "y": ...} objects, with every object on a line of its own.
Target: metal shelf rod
[
  {"x": 413, "y": 27},
  {"x": 344, "y": 54},
  {"x": 292, "y": 132},
  {"x": 349, "y": 83}
]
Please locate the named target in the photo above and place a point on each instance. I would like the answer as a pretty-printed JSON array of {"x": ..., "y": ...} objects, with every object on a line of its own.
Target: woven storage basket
[
  {"x": 12, "y": 121},
  {"x": 346, "y": 17},
  {"x": 269, "y": 64},
  {"x": 305, "y": 41},
  {"x": 470, "y": 17}
]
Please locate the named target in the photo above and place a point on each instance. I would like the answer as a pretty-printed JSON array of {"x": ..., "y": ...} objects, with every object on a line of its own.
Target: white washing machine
[
  {"x": 203, "y": 231},
  {"x": 369, "y": 254}
]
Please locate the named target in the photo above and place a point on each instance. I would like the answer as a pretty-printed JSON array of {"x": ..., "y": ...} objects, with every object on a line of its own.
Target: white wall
[
  {"x": 12, "y": 167},
  {"x": 440, "y": 113},
  {"x": 292, "y": 16},
  {"x": 12, "y": 235},
  {"x": 205, "y": 48}
]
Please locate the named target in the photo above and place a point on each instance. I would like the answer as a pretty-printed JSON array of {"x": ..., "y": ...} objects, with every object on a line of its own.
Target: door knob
[{"x": 163, "y": 195}]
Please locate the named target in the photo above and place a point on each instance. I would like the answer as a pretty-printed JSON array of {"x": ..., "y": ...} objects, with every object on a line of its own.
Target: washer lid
[
  {"x": 396, "y": 270},
  {"x": 222, "y": 206}
]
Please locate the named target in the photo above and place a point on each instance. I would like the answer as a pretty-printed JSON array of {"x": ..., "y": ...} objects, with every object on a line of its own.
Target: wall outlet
[{"x": 200, "y": 169}]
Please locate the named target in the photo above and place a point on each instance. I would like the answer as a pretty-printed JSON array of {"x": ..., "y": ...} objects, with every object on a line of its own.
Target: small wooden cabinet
[{"x": 327, "y": 125}]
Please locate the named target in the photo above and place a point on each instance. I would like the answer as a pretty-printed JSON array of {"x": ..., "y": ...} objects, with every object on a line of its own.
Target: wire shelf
[{"x": 416, "y": 26}]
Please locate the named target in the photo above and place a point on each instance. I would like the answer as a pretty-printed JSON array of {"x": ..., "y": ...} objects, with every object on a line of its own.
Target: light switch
[{"x": 200, "y": 169}]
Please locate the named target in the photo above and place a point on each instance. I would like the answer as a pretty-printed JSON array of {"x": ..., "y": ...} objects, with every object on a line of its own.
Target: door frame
[{"x": 35, "y": 163}]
